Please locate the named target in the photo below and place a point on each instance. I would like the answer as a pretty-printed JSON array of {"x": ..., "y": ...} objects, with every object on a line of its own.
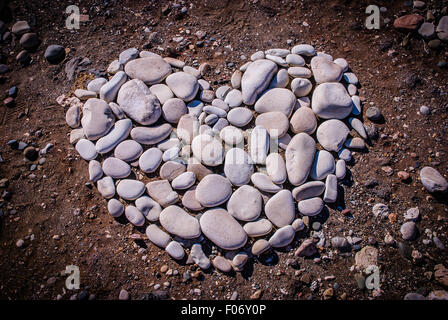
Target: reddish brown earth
[{"x": 108, "y": 258}]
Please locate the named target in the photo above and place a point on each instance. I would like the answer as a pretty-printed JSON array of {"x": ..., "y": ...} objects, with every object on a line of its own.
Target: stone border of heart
[{"x": 147, "y": 95}]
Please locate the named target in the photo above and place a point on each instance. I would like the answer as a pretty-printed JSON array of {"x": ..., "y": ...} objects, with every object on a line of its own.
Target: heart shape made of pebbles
[{"x": 225, "y": 166}]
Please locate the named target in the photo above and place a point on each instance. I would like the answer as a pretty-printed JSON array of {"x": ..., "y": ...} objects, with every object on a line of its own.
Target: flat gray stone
[
  {"x": 256, "y": 79},
  {"x": 96, "y": 84},
  {"x": 301, "y": 87},
  {"x": 130, "y": 189},
  {"x": 162, "y": 92},
  {"x": 304, "y": 50},
  {"x": 115, "y": 208},
  {"x": 189, "y": 200},
  {"x": 232, "y": 136},
  {"x": 235, "y": 80},
  {"x": 151, "y": 135},
  {"x": 295, "y": 60},
  {"x": 171, "y": 169},
  {"x": 149, "y": 208},
  {"x": 150, "y": 70},
  {"x": 109, "y": 90},
  {"x": 150, "y": 160},
  {"x": 234, "y": 98},
  {"x": 238, "y": 166},
  {"x": 95, "y": 170},
  {"x": 275, "y": 122},
  {"x": 157, "y": 236},
  {"x": 184, "y": 85},
  {"x": 308, "y": 190},
  {"x": 260, "y": 246},
  {"x": 239, "y": 117},
  {"x": 222, "y": 264},
  {"x": 175, "y": 250},
  {"x": 213, "y": 190},
  {"x": 73, "y": 116},
  {"x": 117, "y": 111},
  {"x": 432, "y": 180},
  {"x": 134, "y": 216},
  {"x": 177, "y": 221},
  {"x": 282, "y": 237},
  {"x": 215, "y": 110},
  {"x": 341, "y": 169},
  {"x": 332, "y": 134},
  {"x": 323, "y": 165},
  {"x": 208, "y": 150},
  {"x": 331, "y": 189},
  {"x": 116, "y": 168},
  {"x": 277, "y": 99},
  {"x": 303, "y": 120},
  {"x": 119, "y": 132},
  {"x": 264, "y": 183},
  {"x": 331, "y": 100},
  {"x": 184, "y": 181},
  {"x": 173, "y": 109},
  {"x": 258, "y": 228},
  {"x": 280, "y": 208},
  {"x": 161, "y": 191},
  {"x": 106, "y": 187},
  {"x": 128, "y": 55},
  {"x": 97, "y": 119},
  {"x": 128, "y": 150},
  {"x": 299, "y": 72},
  {"x": 276, "y": 168},
  {"x": 245, "y": 204},
  {"x": 86, "y": 149},
  {"x": 325, "y": 70},
  {"x": 311, "y": 207},
  {"x": 299, "y": 158},
  {"x": 280, "y": 79}
]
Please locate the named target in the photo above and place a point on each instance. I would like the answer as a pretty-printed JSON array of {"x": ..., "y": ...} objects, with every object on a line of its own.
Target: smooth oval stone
[
  {"x": 138, "y": 103},
  {"x": 193, "y": 71},
  {"x": 211, "y": 119},
  {"x": 130, "y": 189},
  {"x": 308, "y": 190},
  {"x": 277, "y": 99},
  {"x": 304, "y": 50},
  {"x": 276, "y": 123},
  {"x": 340, "y": 169},
  {"x": 116, "y": 109},
  {"x": 331, "y": 189},
  {"x": 234, "y": 98},
  {"x": 20, "y": 27},
  {"x": 119, "y": 132},
  {"x": 278, "y": 60},
  {"x": 161, "y": 191},
  {"x": 109, "y": 91},
  {"x": 303, "y": 120},
  {"x": 325, "y": 70},
  {"x": 258, "y": 228},
  {"x": 355, "y": 143},
  {"x": 206, "y": 93},
  {"x": 282, "y": 237},
  {"x": 299, "y": 158},
  {"x": 214, "y": 110},
  {"x": 280, "y": 79},
  {"x": 298, "y": 225},
  {"x": 150, "y": 70},
  {"x": 151, "y": 135},
  {"x": 408, "y": 230},
  {"x": 82, "y": 94},
  {"x": 295, "y": 60},
  {"x": 168, "y": 144},
  {"x": 219, "y": 125},
  {"x": 257, "y": 55},
  {"x": 150, "y": 160},
  {"x": 299, "y": 72},
  {"x": 134, "y": 216},
  {"x": 208, "y": 150},
  {"x": 116, "y": 168},
  {"x": 331, "y": 134},
  {"x": 345, "y": 154},
  {"x": 176, "y": 63},
  {"x": 357, "y": 107},
  {"x": 199, "y": 257},
  {"x": 222, "y": 264},
  {"x": 128, "y": 150},
  {"x": 213, "y": 190},
  {"x": 236, "y": 79},
  {"x": 262, "y": 182},
  {"x": 115, "y": 208},
  {"x": 187, "y": 128},
  {"x": 114, "y": 67},
  {"x": 149, "y": 208},
  {"x": 178, "y": 222},
  {"x": 86, "y": 149},
  {"x": 331, "y": 100},
  {"x": 280, "y": 208},
  {"x": 175, "y": 250},
  {"x": 358, "y": 126},
  {"x": 97, "y": 118},
  {"x": 106, "y": 187},
  {"x": 342, "y": 63},
  {"x": 184, "y": 181},
  {"x": 96, "y": 84},
  {"x": 260, "y": 246},
  {"x": 189, "y": 200},
  {"x": 259, "y": 144},
  {"x": 276, "y": 168},
  {"x": 222, "y": 229},
  {"x": 239, "y": 261},
  {"x": 239, "y": 117},
  {"x": 222, "y": 91},
  {"x": 256, "y": 79},
  {"x": 162, "y": 92},
  {"x": 171, "y": 169},
  {"x": 301, "y": 87},
  {"x": 232, "y": 136},
  {"x": 245, "y": 204},
  {"x": 220, "y": 104},
  {"x": 157, "y": 236},
  {"x": 432, "y": 180},
  {"x": 173, "y": 109},
  {"x": 95, "y": 170},
  {"x": 199, "y": 170},
  {"x": 184, "y": 86},
  {"x": 72, "y": 116},
  {"x": 311, "y": 207},
  {"x": 238, "y": 166},
  {"x": 128, "y": 55},
  {"x": 323, "y": 165}
]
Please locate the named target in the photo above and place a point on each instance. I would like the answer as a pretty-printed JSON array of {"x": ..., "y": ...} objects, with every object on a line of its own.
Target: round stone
[
  {"x": 161, "y": 191},
  {"x": 149, "y": 208},
  {"x": 277, "y": 99},
  {"x": 323, "y": 165},
  {"x": 222, "y": 229},
  {"x": 311, "y": 207},
  {"x": 340, "y": 169},
  {"x": 128, "y": 150},
  {"x": 95, "y": 170},
  {"x": 115, "y": 208},
  {"x": 301, "y": 87},
  {"x": 245, "y": 204},
  {"x": 157, "y": 236},
  {"x": 332, "y": 134},
  {"x": 234, "y": 98},
  {"x": 239, "y": 117},
  {"x": 308, "y": 190},
  {"x": 208, "y": 150},
  {"x": 173, "y": 109},
  {"x": 303, "y": 120},
  {"x": 231, "y": 136},
  {"x": 150, "y": 70},
  {"x": 295, "y": 60},
  {"x": 276, "y": 168},
  {"x": 256, "y": 79},
  {"x": 55, "y": 54},
  {"x": 276, "y": 123},
  {"x": 304, "y": 50},
  {"x": 409, "y": 230},
  {"x": 162, "y": 92},
  {"x": 262, "y": 182},
  {"x": 282, "y": 237},
  {"x": 171, "y": 169},
  {"x": 184, "y": 181},
  {"x": 280, "y": 208},
  {"x": 184, "y": 86},
  {"x": 86, "y": 149},
  {"x": 134, "y": 216},
  {"x": 298, "y": 225},
  {"x": 325, "y": 70},
  {"x": 175, "y": 250},
  {"x": 260, "y": 246},
  {"x": 189, "y": 200},
  {"x": 258, "y": 228},
  {"x": 222, "y": 264},
  {"x": 150, "y": 160},
  {"x": 96, "y": 84},
  {"x": 106, "y": 187},
  {"x": 331, "y": 100},
  {"x": 130, "y": 189},
  {"x": 97, "y": 118},
  {"x": 177, "y": 221},
  {"x": 213, "y": 190},
  {"x": 373, "y": 114},
  {"x": 238, "y": 166},
  {"x": 116, "y": 168},
  {"x": 299, "y": 158},
  {"x": 280, "y": 79},
  {"x": 432, "y": 180}
]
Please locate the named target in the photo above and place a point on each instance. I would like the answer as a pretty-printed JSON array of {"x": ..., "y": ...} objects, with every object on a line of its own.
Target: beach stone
[
  {"x": 175, "y": 250},
  {"x": 171, "y": 154},
  {"x": 299, "y": 158},
  {"x": 298, "y": 225},
  {"x": 119, "y": 132},
  {"x": 160, "y": 190},
  {"x": 183, "y": 181},
  {"x": 128, "y": 55},
  {"x": 256, "y": 79},
  {"x": 222, "y": 264},
  {"x": 442, "y": 29},
  {"x": 264, "y": 183},
  {"x": 232, "y": 136},
  {"x": 380, "y": 210},
  {"x": 177, "y": 221},
  {"x": 299, "y": 72},
  {"x": 351, "y": 78},
  {"x": 276, "y": 168},
  {"x": 325, "y": 70},
  {"x": 331, "y": 134},
  {"x": 199, "y": 257},
  {"x": 295, "y": 60},
  {"x": 115, "y": 208},
  {"x": 116, "y": 168},
  {"x": 331, "y": 100},
  {"x": 187, "y": 128},
  {"x": 130, "y": 189},
  {"x": 323, "y": 165},
  {"x": 342, "y": 63},
  {"x": 86, "y": 149},
  {"x": 409, "y": 22},
  {"x": 238, "y": 166},
  {"x": 205, "y": 94},
  {"x": 213, "y": 190},
  {"x": 432, "y": 180},
  {"x": 171, "y": 170},
  {"x": 54, "y": 54},
  {"x": 150, "y": 70},
  {"x": 97, "y": 119},
  {"x": 114, "y": 67},
  {"x": 168, "y": 144},
  {"x": 340, "y": 169},
  {"x": 278, "y": 60},
  {"x": 301, "y": 87},
  {"x": 306, "y": 249},
  {"x": 138, "y": 103},
  {"x": 96, "y": 84},
  {"x": 199, "y": 170},
  {"x": 308, "y": 190},
  {"x": 176, "y": 63},
  {"x": 366, "y": 257},
  {"x": 106, "y": 187},
  {"x": 128, "y": 150},
  {"x": 304, "y": 50},
  {"x": 234, "y": 98},
  {"x": 260, "y": 246},
  {"x": 150, "y": 160},
  {"x": 412, "y": 214},
  {"x": 157, "y": 236},
  {"x": 240, "y": 116},
  {"x": 210, "y": 120},
  {"x": 280, "y": 208},
  {"x": 214, "y": 110},
  {"x": 277, "y": 52},
  {"x": 284, "y": 141},
  {"x": 311, "y": 207},
  {"x": 340, "y": 243},
  {"x": 352, "y": 90},
  {"x": 173, "y": 109},
  {"x": 110, "y": 89},
  {"x": 149, "y": 208},
  {"x": 355, "y": 143},
  {"x": 116, "y": 109},
  {"x": 73, "y": 116},
  {"x": 162, "y": 92},
  {"x": 95, "y": 170},
  {"x": 282, "y": 237},
  {"x": 331, "y": 189},
  {"x": 257, "y": 55},
  {"x": 258, "y": 228},
  {"x": 259, "y": 144},
  {"x": 345, "y": 154},
  {"x": 222, "y": 229},
  {"x": 303, "y": 120},
  {"x": 408, "y": 230},
  {"x": 280, "y": 79},
  {"x": 220, "y": 104},
  {"x": 208, "y": 150},
  {"x": 83, "y": 95},
  {"x": 358, "y": 126},
  {"x": 189, "y": 200},
  {"x": 277, "y": 99},
  {"x": 193, "y": 71},
  {"x": 20, "y": 27},
  {"x": 151, "y": 135},
  {"x": 222, "y": 92},
  {"x": 205, "y": 85},
  {"x": 184, "y": 85},
  {"x": 29, "y": 41},
  {"x": 245, "y": 204},
  {"x": 276, "y": 123},
  {"x": 373, "y": 114},
  {"x": 134, "y": 216}
]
